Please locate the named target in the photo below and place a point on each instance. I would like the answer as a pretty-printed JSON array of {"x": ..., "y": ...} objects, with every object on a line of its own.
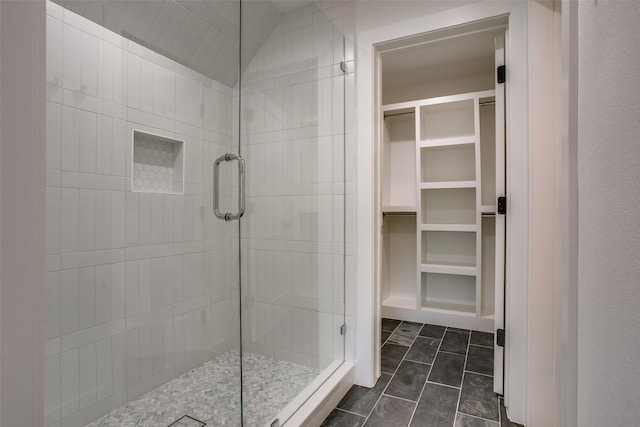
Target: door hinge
[
  {"x": 502, "y": 74},
  {"x": 502, "y": 205},
  {"x": 343, "y": 329},
  {"x": 500, "y": 337}
]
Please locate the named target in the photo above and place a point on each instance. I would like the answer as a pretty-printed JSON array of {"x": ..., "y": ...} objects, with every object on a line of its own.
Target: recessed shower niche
[{"x": 158, "y": 164}]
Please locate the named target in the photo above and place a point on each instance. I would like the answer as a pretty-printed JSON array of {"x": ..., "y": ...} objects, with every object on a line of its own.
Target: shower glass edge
[{"x": 291, "y": 126}]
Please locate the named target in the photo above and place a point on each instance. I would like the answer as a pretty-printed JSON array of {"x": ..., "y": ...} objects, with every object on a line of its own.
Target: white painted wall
[
  {"x": 373, "y": 14},
  {"x": 22, "y": 47},
  {"x": 442, "y": 88},
  {"x": 609, "y": 220}
]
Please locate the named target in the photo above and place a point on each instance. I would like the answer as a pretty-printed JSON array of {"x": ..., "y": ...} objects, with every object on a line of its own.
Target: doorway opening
[{"x": 441, "y": 185}]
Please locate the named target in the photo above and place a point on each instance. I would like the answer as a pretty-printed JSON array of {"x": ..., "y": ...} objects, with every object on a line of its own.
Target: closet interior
[{"x": 441, "y": 173}]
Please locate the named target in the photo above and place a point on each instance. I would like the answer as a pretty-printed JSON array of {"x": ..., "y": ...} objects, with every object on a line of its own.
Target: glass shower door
[
  {"x": 292, "y": 135},
  {"x": 142, "y": 292},
  {"x": 157, "y": 310}
]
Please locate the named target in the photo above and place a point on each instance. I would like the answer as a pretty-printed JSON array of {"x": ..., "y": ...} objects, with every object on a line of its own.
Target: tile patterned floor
[
  {"x": 211, "y": 394},
  {"x": 431, "y": 376}
]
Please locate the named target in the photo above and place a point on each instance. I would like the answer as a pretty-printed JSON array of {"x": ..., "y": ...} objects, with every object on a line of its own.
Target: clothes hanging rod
[
  {"x": 398, "y": 214},
  {"x": 488, "y": 215},
  {"x": 406, "y": 113},
  {"x": 482, "y": 104}
]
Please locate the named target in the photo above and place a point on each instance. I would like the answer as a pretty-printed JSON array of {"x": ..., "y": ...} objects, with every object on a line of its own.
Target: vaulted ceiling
[{"x": 200, "y": 34}]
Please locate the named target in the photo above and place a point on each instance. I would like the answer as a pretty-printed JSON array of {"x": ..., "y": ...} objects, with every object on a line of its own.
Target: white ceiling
[
  {"x": 200, "y": 34},
  {"x": 440, "y": 60}
]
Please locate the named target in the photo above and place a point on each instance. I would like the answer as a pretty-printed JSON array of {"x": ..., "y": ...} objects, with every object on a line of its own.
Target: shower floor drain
[{"x": 187, "y": 421}]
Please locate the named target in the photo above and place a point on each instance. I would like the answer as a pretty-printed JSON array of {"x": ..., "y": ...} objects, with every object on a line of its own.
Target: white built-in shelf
[
  {"x": 453, "y": 205},
  {"x": 432, "y": 168},
  {"x": 448, "y": 99},
  {"x": 449, "y": 171},
  {"x": 447, "y": 184},
  {"x": 448, "y": 163},
  {"x": 447, "y": 142},
  {"x": 449, "y": 227},
  {"x": 398, "y": 151},
  {"x": 400, "y": 302},
  {"x": 443, "y": 268},
  {"x": 450, "y": 263},
  {"x": 399, "y": 209},
  {"x": 447, "y": 120},
  {"x": 400, "y": 108},
  {"x": 449, "y": 308}
]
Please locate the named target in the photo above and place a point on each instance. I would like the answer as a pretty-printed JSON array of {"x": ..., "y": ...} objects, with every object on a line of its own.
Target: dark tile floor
[{"x": 431, "y": 376}]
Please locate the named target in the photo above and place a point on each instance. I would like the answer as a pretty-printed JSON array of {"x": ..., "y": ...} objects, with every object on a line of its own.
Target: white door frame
[{"x": 368, "y": 296}]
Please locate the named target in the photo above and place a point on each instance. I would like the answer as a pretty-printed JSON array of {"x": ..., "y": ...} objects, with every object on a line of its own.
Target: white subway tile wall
[{"x": 139, "y": 286}]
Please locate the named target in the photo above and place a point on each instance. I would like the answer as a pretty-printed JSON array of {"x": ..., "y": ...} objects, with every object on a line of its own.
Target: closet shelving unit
[
  {"x": 399, "y": 206},
  {"x": 453, "y": 210}
]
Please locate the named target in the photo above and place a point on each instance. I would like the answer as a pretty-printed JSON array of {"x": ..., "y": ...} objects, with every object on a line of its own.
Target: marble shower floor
[
  {"x": 431, "y": 376},
  {"x": 210, "y": 393}
]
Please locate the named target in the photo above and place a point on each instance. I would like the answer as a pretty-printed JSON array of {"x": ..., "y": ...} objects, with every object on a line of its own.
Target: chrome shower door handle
[{"x": 216, "y": 186}]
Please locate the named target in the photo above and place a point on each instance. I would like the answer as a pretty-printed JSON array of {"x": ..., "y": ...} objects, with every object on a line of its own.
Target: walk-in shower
[{"x": 157, "y": 310}]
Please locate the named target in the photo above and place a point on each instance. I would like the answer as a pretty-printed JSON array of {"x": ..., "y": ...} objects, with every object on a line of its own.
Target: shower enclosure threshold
[{"x": 315, "y": 403}]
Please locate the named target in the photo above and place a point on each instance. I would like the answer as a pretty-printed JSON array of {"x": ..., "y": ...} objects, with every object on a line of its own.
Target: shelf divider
[
  {"x": 461, "y": 270},
  {"x": 440, "y": 185},
  {"x": 450, "y": 227},
  {"x": 447, "y": 142}
]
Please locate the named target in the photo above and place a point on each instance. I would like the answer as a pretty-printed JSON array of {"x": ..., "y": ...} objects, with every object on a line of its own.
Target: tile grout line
[
  {"x": 480, "y": 345},
  {"x": 399, "y": 398},
  {"x": 462, "y": 380},
  {"x": 444, "y": 385},
  {"x": 394, "y": 374},
  {"x": 380, "y": 397},
  {"x": 449, "y": 352},
  {"x": 417, "y": 361},
  {"x": 428, "y": 374},
  {"x": 478, "y": 373},
  {"x": 412, "y": 342},
  {"x": 478, "y": 418},
  {"x": 349, "y": 412},
  {"x": 390, "y": 333},
  {"x": 438, "y": 352},
  {"x": 465, "y": 371},
  {"x": 390, "y": 379}
]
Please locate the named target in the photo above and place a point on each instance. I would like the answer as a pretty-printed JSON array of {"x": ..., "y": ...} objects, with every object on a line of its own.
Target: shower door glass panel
[
  {"x": 142, "y": 296},
  {"x": 292, "y": 135}
]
